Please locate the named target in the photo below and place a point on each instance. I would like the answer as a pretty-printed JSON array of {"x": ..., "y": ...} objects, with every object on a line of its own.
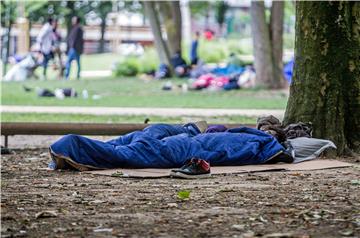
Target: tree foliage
[
  {"x": 199, "y": 8},
  {"x": 221, "y": 8},
  {"x": 8, "y": 13}
]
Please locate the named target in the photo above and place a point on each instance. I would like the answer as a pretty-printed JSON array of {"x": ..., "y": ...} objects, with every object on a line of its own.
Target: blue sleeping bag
[{"x": 168, "y": 146}]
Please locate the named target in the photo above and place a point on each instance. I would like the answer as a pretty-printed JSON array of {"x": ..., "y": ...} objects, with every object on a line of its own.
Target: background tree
[
  {"x": 276, "y": 38},
  {"x": 102, "y": 9},
  {"x": 220, "y": 12},
  {"x": 326, "y": 83},
  {"x": 171, "y": 19},
  {"x": 200, "y": 9},
  {"x": 8, "y": 17},
  {"x": 160, "y": 45},
  {"x": 267, "y": 42}
]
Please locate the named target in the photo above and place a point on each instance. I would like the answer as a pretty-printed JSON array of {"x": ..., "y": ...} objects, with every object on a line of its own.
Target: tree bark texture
[
  {"x": 262, "y": 47},
  {"x": 176, "y": 12},
  {"x": 160, "y": 44},
  {"x": 171, "y": 18},
  {"x": 276, "y": 38},
  {"x": 70, "y": 5},
  {"x": 326, "y": 82},
  {"x": 101, "y": 48}
]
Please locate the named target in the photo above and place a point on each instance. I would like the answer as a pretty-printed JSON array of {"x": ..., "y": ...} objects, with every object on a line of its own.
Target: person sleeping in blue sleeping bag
[{"x": 170, "y": 146}]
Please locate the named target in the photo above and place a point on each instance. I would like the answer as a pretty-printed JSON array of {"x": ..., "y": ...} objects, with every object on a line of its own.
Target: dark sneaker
[
  {"x": 286, "y": 156},
  {"x": 195, "y": 168}
]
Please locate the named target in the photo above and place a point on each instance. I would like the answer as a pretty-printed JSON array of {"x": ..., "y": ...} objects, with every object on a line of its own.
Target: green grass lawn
[
  {"x": 133, "y": 92},
  {"x": 34, "y": 117},
  {"x": 98, "y": 61}
]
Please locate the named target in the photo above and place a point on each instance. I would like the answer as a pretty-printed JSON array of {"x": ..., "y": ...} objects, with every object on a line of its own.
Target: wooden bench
[{"x": 54, "y": 128}]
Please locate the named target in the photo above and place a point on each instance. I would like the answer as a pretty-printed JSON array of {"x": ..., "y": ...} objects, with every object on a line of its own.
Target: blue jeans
[
  {"x": 72, "y": 55},
  {"x": 47, "y": 58}
]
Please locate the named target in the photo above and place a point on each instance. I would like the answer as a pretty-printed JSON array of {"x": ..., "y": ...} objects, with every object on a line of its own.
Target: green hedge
[{"x": 128, "y": 66}]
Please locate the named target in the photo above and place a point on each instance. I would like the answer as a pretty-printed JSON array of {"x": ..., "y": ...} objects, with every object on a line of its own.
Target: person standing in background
[
  {"x": 193, "y": 51},
  {"x": 45, "y": 40},
  {"x": 57, "y": 51},
  {"x": 75, "y": 46}
]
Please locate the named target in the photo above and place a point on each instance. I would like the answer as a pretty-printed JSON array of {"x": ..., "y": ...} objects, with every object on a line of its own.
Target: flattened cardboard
[{"x": 161, "y": 173}]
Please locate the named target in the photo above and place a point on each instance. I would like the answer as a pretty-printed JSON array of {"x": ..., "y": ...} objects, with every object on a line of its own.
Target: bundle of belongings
[
  {"x": 222, "y": 78},
  {"x": 192, "y": 148},
  {"x": 240, "y": 78},
  {"x": 59, "y": 93}
]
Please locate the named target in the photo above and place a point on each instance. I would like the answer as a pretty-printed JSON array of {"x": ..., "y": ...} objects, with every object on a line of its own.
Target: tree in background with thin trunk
[
  {"x": 267, "y": 42},
  {"x": 326, "y": 81},
  {"x": 276, "y": 38},
  {"x": 102, "y": 9},
  {"x": 8, "y": 17},
  {"x": 171, "y": 19},
  {"x": 160, "y": 44},
  {"x": 220, "y": 11}
]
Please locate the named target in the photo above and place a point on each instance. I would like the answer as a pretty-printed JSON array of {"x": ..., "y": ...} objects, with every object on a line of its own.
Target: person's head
[
  {"x": 180, "y": 71},
  {"x": 54, "y": 24},
  {"x": 49, "y": 20},
  {"x": 197, "y": 35},
  {"x": 75, "y": 20}
]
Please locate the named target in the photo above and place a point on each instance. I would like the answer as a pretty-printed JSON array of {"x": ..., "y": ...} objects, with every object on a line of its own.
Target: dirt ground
[{"x": 39, "y": 203}]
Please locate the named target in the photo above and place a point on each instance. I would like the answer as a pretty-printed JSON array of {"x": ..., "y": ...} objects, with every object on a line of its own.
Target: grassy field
[
  {"x": 32, "y": 117},
  {"x": 133, "y": 92},
  {"x": 129, "y": 92}
]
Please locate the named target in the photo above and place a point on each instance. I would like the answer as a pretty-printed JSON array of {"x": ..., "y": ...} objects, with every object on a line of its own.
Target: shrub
[
  {"x": 128, "y": 66},
  {"x": 212, "y": 51},
  {"x": 218, "y": 51},
  {"x": 149, "y": 60}
]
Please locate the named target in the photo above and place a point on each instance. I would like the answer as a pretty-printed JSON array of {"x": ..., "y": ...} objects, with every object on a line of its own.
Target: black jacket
[{"x": 76, "y": 39}]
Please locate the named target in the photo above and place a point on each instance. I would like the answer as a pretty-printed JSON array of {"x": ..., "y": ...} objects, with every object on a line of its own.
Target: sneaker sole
[{"x": 188, "y": 176}]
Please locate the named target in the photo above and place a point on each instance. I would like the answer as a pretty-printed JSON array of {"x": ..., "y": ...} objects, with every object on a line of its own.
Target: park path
[{"x": 149, "y": 111}]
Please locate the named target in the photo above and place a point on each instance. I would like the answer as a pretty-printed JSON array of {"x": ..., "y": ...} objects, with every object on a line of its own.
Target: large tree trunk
[
  {"x": 262, "y": 47},
  {"x": 171, "y": 16},
  {"x": 160, "y": 45},
  {"x": 326, "y": 83},
  {"x": 101, "y": 48},
  {"x": 276, "y": 38}
]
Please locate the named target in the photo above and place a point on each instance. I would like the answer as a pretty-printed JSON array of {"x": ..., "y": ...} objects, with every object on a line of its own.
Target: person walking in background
[
  {"x": 75, "y": 46},
  {"x": 45, "y": 40},
  {"x": 193, "y": 51},
  {"x": 57, "y": 51}
]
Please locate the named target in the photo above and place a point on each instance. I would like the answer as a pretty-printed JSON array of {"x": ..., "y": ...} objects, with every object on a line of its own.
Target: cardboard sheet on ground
[{"x": 159, "y": 173}]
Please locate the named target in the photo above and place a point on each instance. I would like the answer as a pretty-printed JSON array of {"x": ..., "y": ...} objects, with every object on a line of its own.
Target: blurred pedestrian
[
  {"x": 44, "y": 40},
  {"x": 193, "y": 51},
  {"x": 75, "y": 46},
  {"x": 57, "y": 51}
]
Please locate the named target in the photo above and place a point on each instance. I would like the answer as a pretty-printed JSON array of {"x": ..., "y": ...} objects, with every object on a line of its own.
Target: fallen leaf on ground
[
  {"x": 346, "y": 232},
  {"x": 45, "y": 214},
  {"x": 103, "y": 230},
  {"x": 183, "y": 194}
]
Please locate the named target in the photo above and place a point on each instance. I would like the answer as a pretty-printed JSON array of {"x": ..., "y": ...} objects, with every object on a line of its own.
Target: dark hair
[
  {"x": 50, "y": 20},
  {"x": 197, "y": 33},
  {"x": 77, "y": 19}
]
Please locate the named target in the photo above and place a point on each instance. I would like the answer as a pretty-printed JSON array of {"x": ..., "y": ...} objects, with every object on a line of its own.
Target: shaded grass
[
  {"x": 44, "y": 117},
  {"x": 133, "y": 92}
]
